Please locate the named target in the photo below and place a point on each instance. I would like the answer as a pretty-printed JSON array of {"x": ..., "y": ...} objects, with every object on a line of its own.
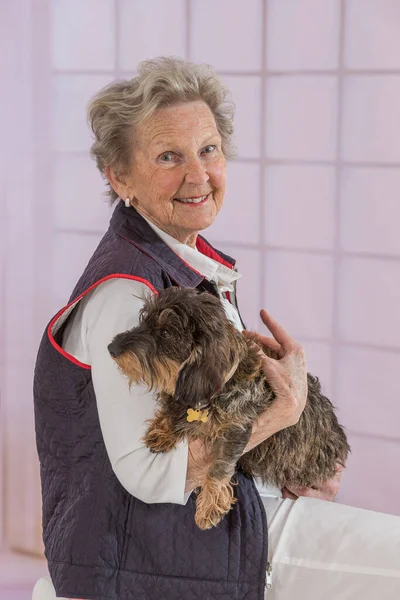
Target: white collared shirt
[
  {"x": 113, "y": 307},
  {"x": 212, "y": 270},
  {"x": 223, "y": 277}
]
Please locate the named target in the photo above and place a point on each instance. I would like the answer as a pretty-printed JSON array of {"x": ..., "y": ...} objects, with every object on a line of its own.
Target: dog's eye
[{"x": 164, "y": 333}]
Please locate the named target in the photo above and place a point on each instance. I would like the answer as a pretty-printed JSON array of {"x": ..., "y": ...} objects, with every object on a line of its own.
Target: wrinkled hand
[
  {"x": 328, "y": 491},
  {"x": 287, "y": 374}
]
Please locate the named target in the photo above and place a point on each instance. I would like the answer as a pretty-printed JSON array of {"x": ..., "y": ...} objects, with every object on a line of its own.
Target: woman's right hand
[
  {"x": 287, "y": 376},
  {"x": 328, "y": 491}
]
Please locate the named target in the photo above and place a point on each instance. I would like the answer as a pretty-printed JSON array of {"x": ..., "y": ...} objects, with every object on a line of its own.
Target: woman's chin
[
  {"x": 198, "y": 218},
  {"x": 200, "y": 223}
]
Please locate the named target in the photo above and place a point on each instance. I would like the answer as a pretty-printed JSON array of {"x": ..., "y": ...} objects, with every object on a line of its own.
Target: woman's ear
[
  {"x": 198, "y": 381},
  {"x": 118, "y": 182}
]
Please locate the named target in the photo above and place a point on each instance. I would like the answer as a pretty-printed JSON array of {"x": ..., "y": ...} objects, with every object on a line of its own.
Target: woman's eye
[
  {"x": 209, "y": 149},
  {"x": 167, "y": 157}
]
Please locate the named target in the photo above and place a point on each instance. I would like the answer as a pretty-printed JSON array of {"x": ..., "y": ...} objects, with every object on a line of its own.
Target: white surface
[
  {"x": 150, "y": 29},
  {"x": 82, "y": 207},
  {"x": 369, "y": 302},
  {"x": 372, "y": 34},
  {"x": 309, "y": 25},
  {"x": 72, "y": 47},
  {"x": 290, "y": 193},
  {"x": 71, "y": 95},
  {"x": 301, "y": 117},
  {"x": 299, "y": 291},
  {"x": 242, "y": 199},
  {"x": 374, "y": 194},
  {"x": 227, "y": 34},
  {"x": 359, "y": 375},
  {"x": 371, "y": 118},
  {"x": 246, "y": 95},
  {"x": 348, "y": 553}
]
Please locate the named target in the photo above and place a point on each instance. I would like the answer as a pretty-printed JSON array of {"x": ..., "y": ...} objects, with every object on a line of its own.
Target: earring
[{"x": 127, "y": 202}]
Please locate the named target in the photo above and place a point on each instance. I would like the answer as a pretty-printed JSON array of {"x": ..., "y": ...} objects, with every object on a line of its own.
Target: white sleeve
[{"x": 114, "y": 307}]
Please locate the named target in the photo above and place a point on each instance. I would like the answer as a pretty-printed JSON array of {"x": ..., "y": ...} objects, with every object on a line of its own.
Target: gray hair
[{"x": 121, "y": 106}]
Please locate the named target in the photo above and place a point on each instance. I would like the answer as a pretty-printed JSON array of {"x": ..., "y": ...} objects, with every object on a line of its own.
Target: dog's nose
[{"x": 114, "y": 349}]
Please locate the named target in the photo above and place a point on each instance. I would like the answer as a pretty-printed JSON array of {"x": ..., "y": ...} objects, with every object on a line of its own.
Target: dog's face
[{"x": 184, "y": 346}]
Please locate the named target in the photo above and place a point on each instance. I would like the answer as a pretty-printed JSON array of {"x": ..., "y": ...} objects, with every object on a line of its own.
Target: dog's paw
[
  {"x": 158, "y": 442},
  {"x": 211, "y": 516},
  {"x": 214, "y": 501},
  {"x": 208, "y": 519}
]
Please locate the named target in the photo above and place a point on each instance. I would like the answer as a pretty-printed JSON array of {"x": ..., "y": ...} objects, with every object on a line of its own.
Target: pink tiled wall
[
  {"x": 311, "y": 211},
  {"x": 312, "y": 207}
]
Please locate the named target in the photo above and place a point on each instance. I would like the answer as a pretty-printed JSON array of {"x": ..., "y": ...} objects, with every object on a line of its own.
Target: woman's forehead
[{"x": 193, "y": 121}]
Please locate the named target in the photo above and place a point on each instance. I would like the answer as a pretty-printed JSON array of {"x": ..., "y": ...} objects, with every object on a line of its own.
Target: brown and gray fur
[{"x": 186, "y": 348}]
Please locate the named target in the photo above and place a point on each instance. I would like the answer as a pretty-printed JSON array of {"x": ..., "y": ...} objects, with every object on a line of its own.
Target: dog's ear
[
  {"x": 199, "y": 380},
  {"x": 212, "y": 363}
]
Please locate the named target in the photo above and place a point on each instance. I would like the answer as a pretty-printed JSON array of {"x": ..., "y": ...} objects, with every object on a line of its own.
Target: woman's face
[{"x": 177, "y": 157}]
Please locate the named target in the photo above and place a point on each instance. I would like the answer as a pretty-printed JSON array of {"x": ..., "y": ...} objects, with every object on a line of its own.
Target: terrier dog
[{"x": 211, "y": 386}]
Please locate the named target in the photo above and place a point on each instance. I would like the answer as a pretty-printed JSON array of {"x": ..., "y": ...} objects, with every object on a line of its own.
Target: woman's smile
[{"x": 194, "y": 201}]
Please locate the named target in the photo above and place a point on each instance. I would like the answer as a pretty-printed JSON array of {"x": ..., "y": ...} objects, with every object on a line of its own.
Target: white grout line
[
  {"x": 261, "y": 247},
  {"x": 273, "y": 161},
  {"x": 116, "y": 72},
  {"x": 262, "y": 198},
  {"x": 371, "y": 436},
  {"x": 251, "y": 73},
  {"x": 188, "y": 16},
  {"x": 337, "y": 257}
]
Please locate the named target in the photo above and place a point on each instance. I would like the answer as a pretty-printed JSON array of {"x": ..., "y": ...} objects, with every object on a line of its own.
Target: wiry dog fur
[{"x": 185, "y": 348}]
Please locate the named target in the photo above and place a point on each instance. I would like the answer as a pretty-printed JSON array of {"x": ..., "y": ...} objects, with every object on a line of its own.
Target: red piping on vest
[
  {"x": 60, "y": 312},
  {"x": 205, "y": 249}
]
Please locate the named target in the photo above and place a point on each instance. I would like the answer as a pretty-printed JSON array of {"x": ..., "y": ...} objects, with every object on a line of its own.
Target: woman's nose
[{"x": 197, "y": 173}]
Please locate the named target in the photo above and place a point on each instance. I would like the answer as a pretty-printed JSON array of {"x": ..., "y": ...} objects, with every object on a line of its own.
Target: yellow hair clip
[{"x": 197, "y": 415}]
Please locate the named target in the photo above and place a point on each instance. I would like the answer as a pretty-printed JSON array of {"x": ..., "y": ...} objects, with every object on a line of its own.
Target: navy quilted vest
[{"x": 101, "y": 542}]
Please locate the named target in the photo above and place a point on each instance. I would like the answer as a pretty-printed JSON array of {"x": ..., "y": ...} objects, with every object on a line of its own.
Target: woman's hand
[
  {"x": 328, "y": 491},
  {"x": 287, "y": 376}
]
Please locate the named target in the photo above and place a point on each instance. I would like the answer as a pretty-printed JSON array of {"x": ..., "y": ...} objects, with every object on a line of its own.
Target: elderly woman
[{"x": 118, "y": 521}]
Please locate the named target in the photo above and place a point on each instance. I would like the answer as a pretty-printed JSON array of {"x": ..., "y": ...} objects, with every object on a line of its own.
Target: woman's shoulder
[
  {"x": 120, "y": 284},
  {"x": 117, "y": 292},
  {"x": 111, "y": 307}
]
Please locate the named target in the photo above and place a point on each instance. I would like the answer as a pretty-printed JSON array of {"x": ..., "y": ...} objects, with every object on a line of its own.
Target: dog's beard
[
  {"x": 130, "y": 366},
  {"x": 158, "y": 373}
]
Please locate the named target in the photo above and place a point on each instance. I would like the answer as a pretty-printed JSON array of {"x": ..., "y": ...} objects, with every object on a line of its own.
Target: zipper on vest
[
  {"x": 235, "y": 303},
  {"x": 268, "y": 583}
]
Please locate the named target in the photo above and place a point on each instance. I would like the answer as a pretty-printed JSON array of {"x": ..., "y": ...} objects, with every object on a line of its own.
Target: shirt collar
[
  {"x": 128, "y": 224},
  {"x": 212, "y": 270}
]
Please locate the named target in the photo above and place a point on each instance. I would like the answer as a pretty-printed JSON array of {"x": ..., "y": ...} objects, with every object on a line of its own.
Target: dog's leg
[
  {"x": 214, "y": 501},
  {"x": 160, "y": 436},
  {"x": 217, "y": 497}
]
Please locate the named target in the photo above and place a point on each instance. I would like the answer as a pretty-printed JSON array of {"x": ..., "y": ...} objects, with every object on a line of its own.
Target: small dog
[{"x": 211, "y": 386}]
